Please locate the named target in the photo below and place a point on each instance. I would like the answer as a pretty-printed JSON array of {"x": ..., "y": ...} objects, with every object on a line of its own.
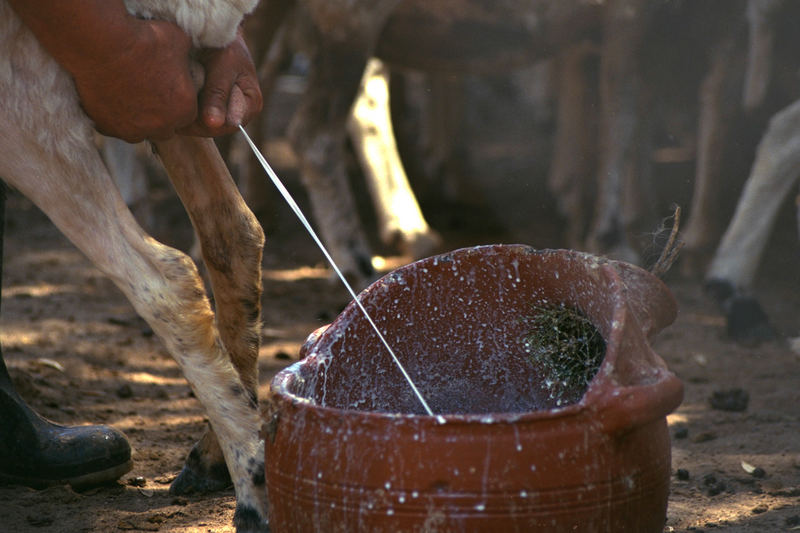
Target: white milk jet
[{"x": 304, "y": 220}]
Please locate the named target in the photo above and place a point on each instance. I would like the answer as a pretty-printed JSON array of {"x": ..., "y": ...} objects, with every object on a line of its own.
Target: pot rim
[
  {"x": 602, "y": 395},
  {"x": 665, "y": 394}
]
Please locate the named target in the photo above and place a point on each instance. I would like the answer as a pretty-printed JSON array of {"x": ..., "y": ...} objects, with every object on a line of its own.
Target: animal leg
[
  {"x": 265, "y": 31},
  {"x": 620, "y": 92},
  {"x": 343, "y": 36},
  {"x": 370, "y": 126},
  {"x": 736, "y": 261},
  {"x": 716, "y": 109},
  {"x": 69, "y": 182},
  {"x": 575, "y": 145},
  {"x": 761, "y": 17},
  {"x": 318, "y": 133},
  {"x": 231, "y": 242}
]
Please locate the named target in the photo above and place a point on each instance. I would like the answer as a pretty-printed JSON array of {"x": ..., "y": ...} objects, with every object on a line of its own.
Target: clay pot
[{"x": 348, "y": 448}]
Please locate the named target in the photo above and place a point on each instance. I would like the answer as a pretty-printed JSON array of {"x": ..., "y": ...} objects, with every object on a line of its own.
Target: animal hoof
[
  {"x": 198, "y": 477},
  {"x": 719, "y": 289},
  {"x": 248, "y": 520},
  {"x": 747, "y": 321}
]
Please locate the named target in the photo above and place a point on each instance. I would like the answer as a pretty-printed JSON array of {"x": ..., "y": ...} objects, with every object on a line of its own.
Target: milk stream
[{"x": 289, "y": 200}]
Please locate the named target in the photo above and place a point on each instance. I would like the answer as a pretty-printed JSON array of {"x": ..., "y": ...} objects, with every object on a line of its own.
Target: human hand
[
  {"x": 145, "y": 92},
  {"x": 132, "y": 75},
  {"x": 230, "y": 95}
]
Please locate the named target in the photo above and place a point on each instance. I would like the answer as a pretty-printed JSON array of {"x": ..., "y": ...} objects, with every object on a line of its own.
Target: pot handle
[
  {"x": 628, "y": 407},
  {"x": 649, "y": 299}
]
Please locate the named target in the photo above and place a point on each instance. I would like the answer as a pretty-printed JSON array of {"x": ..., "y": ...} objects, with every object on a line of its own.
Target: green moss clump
[{"x": 566, "y": 348}]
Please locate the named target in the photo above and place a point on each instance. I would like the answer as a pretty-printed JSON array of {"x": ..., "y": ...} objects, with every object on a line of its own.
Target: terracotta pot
[{"x": 347, "y": 448}]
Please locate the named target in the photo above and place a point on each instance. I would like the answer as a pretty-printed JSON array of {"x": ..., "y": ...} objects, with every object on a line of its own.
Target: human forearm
[
  {"x": 132, "y": 75},
  {"x": 76, "y": 32}
]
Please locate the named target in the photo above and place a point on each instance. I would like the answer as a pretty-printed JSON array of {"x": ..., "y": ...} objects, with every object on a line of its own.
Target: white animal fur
[
  {"x": 211, "y": 23},
  {"x": 48, "y": 153}
]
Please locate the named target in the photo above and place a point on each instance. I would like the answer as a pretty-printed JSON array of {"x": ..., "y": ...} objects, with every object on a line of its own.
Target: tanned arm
[{"x": 132, "y": 75}]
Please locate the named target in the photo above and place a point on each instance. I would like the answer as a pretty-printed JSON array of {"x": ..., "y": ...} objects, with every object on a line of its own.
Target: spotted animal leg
[
  {"x": 74, "y": 189},
  {"x": 231, "y": 242}
]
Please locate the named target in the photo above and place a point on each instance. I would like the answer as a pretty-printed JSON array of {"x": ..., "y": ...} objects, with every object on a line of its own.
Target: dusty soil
[{"x": 80, "y": 355}]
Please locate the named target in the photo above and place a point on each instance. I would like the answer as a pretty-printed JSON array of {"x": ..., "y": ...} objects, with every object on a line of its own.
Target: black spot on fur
[
  {"x": 216, "y": 253},
  {"x": 236, "y": 389},
  {"x": 252, "y": 309},
  {"x": 258, "y": 476},
  {"x": 252, "y": 398}
]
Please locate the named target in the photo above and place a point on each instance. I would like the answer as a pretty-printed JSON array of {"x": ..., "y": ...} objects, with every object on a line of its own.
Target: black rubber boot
[{"x": 36, "y": 452}]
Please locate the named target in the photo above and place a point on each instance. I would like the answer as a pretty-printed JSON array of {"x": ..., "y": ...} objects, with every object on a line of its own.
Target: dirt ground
[{"x": 80, "y": 355}]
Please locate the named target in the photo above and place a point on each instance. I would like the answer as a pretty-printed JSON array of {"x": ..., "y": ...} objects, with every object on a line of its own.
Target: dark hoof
[
  {"x": 747, "y": 321},
  {"x": 719, "y": 289},
  {"x": 197, "y": 477},
  {"x": 247, "y": 520}
]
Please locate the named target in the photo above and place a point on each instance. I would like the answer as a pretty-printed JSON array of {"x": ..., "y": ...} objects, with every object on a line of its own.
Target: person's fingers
[
  {"x": 237, "y": 107},
  {"x": 249, "y": 104},
  {"x": 231, "y": 94},
  {"x": 215, "y": 109},
  {"x": 214, "y": 97},
  {"x": 215, "y": 120}
]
